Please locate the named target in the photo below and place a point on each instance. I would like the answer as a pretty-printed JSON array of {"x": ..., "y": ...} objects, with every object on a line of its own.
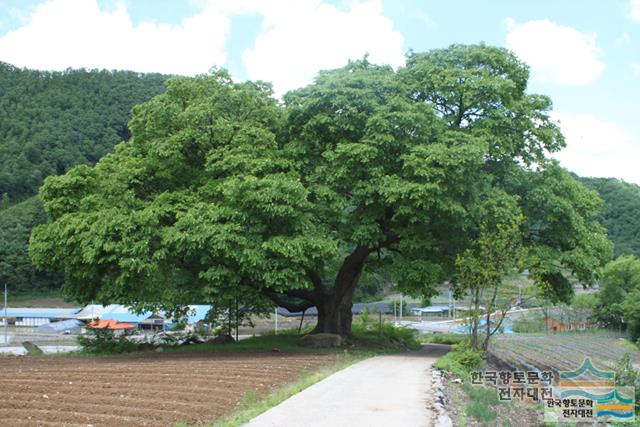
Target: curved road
[{"x": 381, "y": 391}]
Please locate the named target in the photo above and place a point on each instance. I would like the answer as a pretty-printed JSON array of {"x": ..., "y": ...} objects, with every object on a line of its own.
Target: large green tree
[
  {"x": 621, "y": 278},
  {"x": 223, "y": 190}
]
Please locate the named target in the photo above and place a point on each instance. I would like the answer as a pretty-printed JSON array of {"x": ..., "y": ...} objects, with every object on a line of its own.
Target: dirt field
[{"x": 144, "y": 390}]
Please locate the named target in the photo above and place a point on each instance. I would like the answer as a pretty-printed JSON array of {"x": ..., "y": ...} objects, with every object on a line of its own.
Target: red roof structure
[{"x": 109, "y": 324}]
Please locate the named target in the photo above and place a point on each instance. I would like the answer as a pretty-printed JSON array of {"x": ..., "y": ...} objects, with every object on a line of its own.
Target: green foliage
[
  {"x": 482, "y": 400},
  {"x": 221, "y": 190},
  {"x": 631, "y": 311},
  {"x": 461, "y": 360},
  {"x": 371, "y": 287},
  {"x": 627, "y": 375},
  {"x": 482, "y": 394},
  {"x": 53, "y": 121},
  {"x": 105, "y": 341},
  {"x": 368, "y": 331},
  {"x": 480, "y": 411},
  {"x": 584, "y": 301},
  {"x": 618, "y": 295},
  {"x": 621, "y": 213},
  {"x": 444, "y": 338},
  {"x": 497, "y": 251},
  {"x": 50, "y": 122},
  {"x": 16, "y": 269}
]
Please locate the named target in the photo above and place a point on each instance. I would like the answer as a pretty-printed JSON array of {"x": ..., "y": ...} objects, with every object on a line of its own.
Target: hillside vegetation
[
  {"x": 621, "y": 214},
  {"x": 50, "y": 122}
]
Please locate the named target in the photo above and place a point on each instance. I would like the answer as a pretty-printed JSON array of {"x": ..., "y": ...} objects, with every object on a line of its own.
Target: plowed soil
[{"x": 142, "y": 390}]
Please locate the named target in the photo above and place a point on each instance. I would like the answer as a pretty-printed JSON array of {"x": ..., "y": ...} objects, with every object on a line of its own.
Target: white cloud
[
  {"x": 556, "y": 54},
  {"x": 299, "y": 38},
  {"x": 599, "y": 148},
  {"x": 77, "y": 33},
  {"x": 634, "y": 10}
]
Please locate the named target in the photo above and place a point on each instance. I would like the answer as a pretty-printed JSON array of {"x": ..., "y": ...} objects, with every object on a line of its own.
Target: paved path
[{"x": 381, "y": 391}]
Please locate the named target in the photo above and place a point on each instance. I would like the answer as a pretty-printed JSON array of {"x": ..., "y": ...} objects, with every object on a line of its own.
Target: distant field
[
  {"x": 560, "y": 351},
  {"x": 141, "y": 390}
]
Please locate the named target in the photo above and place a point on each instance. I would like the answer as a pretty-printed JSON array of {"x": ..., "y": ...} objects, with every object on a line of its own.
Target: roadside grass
[
  {"x": 461, "y": 361},
  {"x": 482, "y": 401},
  {"x": 480, "y": 405}
]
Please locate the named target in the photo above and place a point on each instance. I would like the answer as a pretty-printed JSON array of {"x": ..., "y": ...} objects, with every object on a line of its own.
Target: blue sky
[{"x": 583, "y": 53}]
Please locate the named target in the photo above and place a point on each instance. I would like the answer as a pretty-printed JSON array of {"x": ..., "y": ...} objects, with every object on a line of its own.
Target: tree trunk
[
  {"x": 335, "y": 316},
  {"x": 334, "y": 308}
]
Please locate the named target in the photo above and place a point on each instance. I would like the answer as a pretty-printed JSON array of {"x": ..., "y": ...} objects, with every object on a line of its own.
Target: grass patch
[
  {"x": 461, "y": 360},
  {"x": 480, "y": 411},
  {"x": 629, "y": 344},
  {"x": 251, "y": 407},
  {"x": 486, "y": 395},
  {"x": 483, "y": 399}
]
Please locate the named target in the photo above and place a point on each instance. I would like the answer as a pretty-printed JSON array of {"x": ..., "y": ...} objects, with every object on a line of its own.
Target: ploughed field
[
  {"x": 140, "y": 390},
  {"x": 560, "y": 351}
]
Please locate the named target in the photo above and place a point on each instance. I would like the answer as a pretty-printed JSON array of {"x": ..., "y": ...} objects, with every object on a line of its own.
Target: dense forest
[
  {"x": 50, "y": 122},
  {"x": 621, "y": 213}
]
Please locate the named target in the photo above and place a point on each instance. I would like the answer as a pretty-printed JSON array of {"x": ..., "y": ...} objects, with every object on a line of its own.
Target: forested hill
[
  {"x": 621, "y": 215},
  {"x": 51, "y": 121}
]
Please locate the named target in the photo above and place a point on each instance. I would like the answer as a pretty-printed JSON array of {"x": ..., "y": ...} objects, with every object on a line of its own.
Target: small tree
[{"x": 496, "y": 252}]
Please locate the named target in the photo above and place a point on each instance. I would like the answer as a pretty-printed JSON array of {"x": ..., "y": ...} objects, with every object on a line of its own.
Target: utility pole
[
  {"x": 401, "y": 306},
  {"x": 6, "y": 319},
  {"x": 276, "y": 317}
]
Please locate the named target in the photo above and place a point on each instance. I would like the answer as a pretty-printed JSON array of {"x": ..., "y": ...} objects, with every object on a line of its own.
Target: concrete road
[{"x": 381, "y": 391}]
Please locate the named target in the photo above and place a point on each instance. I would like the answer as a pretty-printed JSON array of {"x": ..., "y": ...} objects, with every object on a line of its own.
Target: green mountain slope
[
  {"x": 50, "y": 122},
  {"x": 621, "y": 215}
]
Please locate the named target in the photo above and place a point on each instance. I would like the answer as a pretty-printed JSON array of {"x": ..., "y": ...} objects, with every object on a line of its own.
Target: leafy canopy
[{"x": 223, "y": 190}]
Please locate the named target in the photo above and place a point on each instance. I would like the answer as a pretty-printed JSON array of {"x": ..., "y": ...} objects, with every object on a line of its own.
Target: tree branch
[
  {"x": 350, "y": 270},
  {"x": 316, "y": 280},
  {"x": 292, "y": 307}
]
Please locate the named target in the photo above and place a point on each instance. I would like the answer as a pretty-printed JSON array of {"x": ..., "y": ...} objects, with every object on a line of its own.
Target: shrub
[
  {"x": 104, "y": 341},
  {"x": 486, "y": 395},
  {"x": 461, "y": 360},
  {"x": 626, "y": 375},
  {"x": 366, "y": 328},
  {"x": 444, "y": 338}
]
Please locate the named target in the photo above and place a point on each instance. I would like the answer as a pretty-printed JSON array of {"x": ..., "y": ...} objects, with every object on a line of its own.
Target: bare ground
[{"x": 140, "y": 390}]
